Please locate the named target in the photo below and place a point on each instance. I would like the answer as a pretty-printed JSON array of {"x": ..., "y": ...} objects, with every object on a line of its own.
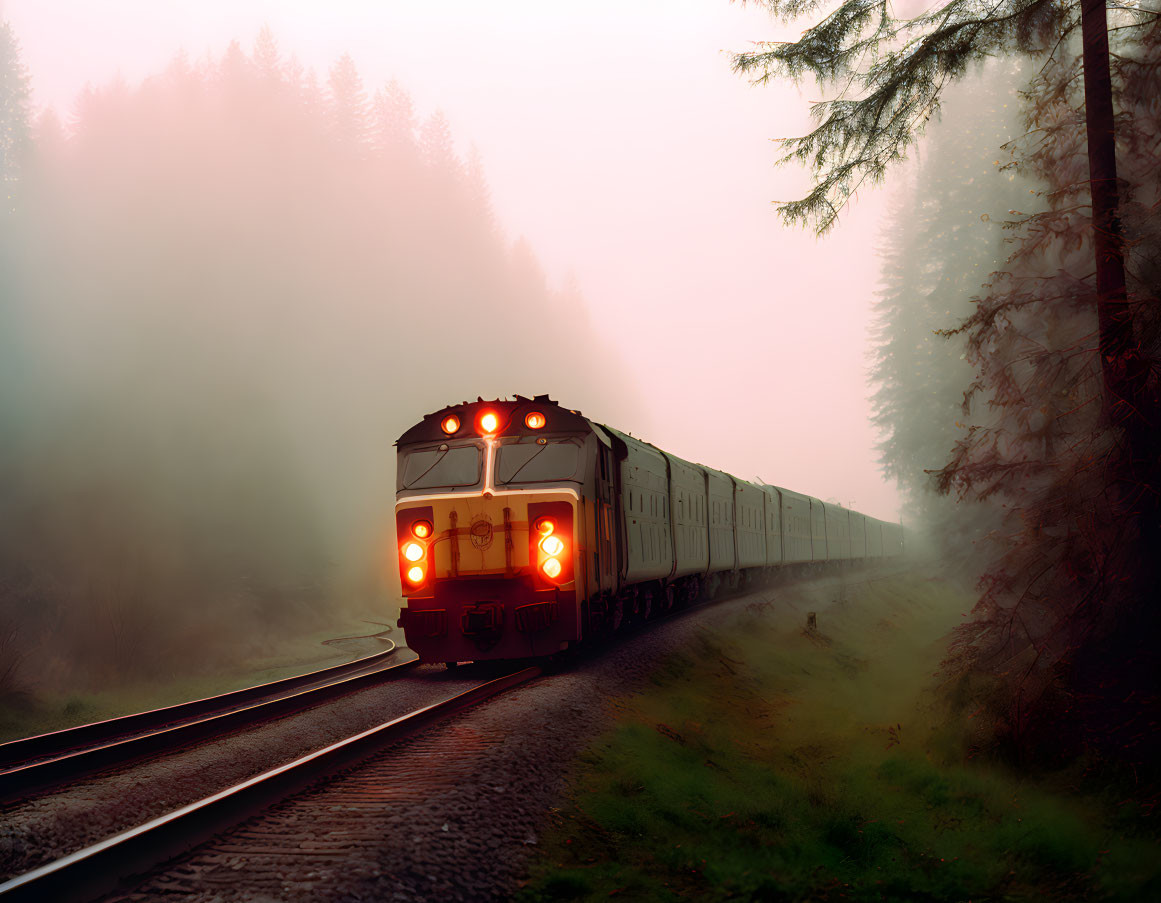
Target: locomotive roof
[
  {"x": 558, "y": 419},
  {"x": 511, "y": 414}
]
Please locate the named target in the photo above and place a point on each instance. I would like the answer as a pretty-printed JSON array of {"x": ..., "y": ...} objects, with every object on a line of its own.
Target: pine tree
[
  {"x": 943, "y": 240},
  {"x": 14, "y": 116},
  {"x": 347, "y": 105},
  {"x": 437, "y": 148},
  {"x": 267, "y": 59},
  {"x": 395, "y": 120},
  {"x": 1066, "y": 619},
  {"x": 1057, "y": 579},
  {"x": 478, "y": 192}
]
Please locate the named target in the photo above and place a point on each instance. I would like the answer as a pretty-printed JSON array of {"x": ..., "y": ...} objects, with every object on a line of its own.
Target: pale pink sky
[{"x": 617, "y": 140}]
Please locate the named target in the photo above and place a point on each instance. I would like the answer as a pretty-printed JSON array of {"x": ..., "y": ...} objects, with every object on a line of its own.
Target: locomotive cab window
[
  {"x": 528, "y": 462},
  {"x": 442, "y": 467}
]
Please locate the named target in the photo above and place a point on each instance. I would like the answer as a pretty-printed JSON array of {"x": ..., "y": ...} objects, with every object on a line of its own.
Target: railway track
[
  {"x": 35, "y": 764},
  {"x": 98, "y": 868}
]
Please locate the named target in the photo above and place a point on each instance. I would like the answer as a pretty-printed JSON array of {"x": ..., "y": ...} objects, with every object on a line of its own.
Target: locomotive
[{"x": 524, "y": 528}]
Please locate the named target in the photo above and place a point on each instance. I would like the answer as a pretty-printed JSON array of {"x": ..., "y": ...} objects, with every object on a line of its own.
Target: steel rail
[
  {"x": 56, "y": 743},
  {"x": 24, "y": 780},
  {"x": 99, "y": 868}
]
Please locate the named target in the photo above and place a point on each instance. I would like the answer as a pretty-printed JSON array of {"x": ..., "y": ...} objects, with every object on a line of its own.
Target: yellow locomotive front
[{"x": 493, "y": 523}]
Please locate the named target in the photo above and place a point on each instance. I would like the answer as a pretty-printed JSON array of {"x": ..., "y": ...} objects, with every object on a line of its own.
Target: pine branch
[{"x": 894, "y": 97}]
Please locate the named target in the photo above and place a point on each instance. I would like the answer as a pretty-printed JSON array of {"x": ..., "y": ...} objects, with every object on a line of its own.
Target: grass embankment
[
  {"x": 273, "y": 659},
  {"x": 772, "y": 764}
]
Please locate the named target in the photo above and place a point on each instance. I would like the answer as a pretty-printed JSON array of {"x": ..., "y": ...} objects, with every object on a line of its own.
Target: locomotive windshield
[
  {"x": 529, "y": 462},
  {"x": 441, "y": 467}
]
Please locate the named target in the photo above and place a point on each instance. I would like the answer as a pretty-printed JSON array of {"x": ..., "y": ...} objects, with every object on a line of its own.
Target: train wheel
[
  {"x": 644, "y": 605},
  {"x": 614, "y": 614}
]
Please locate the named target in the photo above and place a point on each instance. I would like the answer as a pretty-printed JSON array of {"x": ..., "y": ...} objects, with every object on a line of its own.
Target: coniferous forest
[
  {"x": 226, "y": 289},
  {"x": 212, "y": 285},
  {"x": 993, "y": 403}
]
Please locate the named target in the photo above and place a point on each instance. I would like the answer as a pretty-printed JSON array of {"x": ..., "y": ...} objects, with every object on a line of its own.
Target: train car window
[
  {"x": 527, "y": 462},
  {"x": 431, "y": 468}
]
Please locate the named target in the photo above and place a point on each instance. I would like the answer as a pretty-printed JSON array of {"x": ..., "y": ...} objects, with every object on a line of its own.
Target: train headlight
[
  {"x": 551, "y": 544},
  {"x": 489, "y": 422},
  {"x": 450, "y": 424},
  {"x": 415, "y": 535},
  {"x": 534, "y": 420}
]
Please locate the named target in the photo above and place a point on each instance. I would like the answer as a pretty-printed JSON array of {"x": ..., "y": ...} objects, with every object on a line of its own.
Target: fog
[
  {"x": 233, "y": 289},
  {"x": 639, "y": 169},
  {"x": 242, "y": 260}
]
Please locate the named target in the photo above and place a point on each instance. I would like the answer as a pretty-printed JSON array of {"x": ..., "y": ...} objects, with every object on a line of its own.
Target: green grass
[
  {"x": 286, "y": 657},
  {"x": 767, "y": 764}
]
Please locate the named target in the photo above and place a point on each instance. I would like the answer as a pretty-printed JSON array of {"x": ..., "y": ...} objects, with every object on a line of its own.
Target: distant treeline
[{"x": 223, "y": 293}]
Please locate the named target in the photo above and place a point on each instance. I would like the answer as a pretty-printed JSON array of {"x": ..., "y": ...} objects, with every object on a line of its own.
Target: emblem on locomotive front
[{"x": 481, "y": 532}]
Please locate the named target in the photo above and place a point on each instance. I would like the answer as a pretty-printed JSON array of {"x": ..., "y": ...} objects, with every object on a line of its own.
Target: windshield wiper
[
  {"x": 531, "y": 458},
  {"x": 442, "y": 455}
]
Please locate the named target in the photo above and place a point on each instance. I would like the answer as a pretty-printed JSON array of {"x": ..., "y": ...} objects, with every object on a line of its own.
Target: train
[{"x": 524, "y": 528}]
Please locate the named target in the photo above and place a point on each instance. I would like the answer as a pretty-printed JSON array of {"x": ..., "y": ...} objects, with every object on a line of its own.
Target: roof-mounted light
[
  {"x": 489, "y": 422},
  {"x": 534, "y": 420},
  {"x": 450, "y": 424}
]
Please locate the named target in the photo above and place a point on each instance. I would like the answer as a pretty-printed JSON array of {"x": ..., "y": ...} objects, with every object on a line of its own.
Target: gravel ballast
[
  {"x": 44, "y": 828},
  {"x": 453, "y": 813}
]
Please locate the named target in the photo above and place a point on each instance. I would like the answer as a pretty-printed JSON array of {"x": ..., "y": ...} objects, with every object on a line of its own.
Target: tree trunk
[
  {"x": 1113, "y": 314},
  {"x": 1131, "y": 403}
]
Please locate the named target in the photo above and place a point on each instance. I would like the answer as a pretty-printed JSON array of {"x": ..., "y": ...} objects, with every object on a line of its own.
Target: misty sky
[{"x": 618, "y": 142}]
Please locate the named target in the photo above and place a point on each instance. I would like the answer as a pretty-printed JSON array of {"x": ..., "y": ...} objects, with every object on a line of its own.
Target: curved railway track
[
  {"x": 98, "y": 868},
  {"x": 34, "y": 764}
]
